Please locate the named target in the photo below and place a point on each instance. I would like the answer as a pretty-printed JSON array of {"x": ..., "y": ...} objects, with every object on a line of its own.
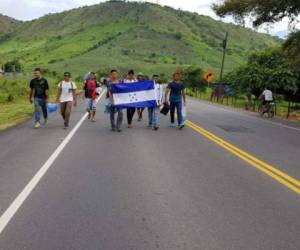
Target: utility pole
[{"x": 224, "y": 54}]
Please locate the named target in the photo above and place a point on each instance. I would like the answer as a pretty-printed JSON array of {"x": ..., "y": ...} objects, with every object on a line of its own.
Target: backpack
[{"x": 91, "y": 86}]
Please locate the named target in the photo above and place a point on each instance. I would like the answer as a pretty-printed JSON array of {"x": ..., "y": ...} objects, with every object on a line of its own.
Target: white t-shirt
[
  {"x": 159, "y": 93},
  {"x": 66, "y": 91},
  {"x": 129, "y": 81},
  {"x": 268, "y": 95}
]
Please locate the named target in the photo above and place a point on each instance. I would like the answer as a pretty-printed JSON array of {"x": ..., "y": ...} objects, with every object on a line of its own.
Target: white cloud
[{"x": 31, "y": 9}]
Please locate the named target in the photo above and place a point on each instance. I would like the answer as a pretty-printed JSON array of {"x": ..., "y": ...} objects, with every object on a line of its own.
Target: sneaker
[
  {"x": 129, "y": 125},
  {"x": 181, "y": 126},
  {"x": 173, "y": 125},
  {"x": 93, "y": 120},
  {"x": 37, "y": 125},
  {"x": 66, "y": 125},
  {"x": 155, "y": 128},
  {"x": 45, "y": 121},
  {"x": 113, "y": 129}
]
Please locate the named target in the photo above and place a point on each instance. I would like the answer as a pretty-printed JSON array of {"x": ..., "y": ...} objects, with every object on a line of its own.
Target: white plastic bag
[{"x": 184, "y": 115}]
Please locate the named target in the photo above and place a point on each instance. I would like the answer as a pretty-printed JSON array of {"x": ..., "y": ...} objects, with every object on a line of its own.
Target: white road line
[
  {"x": 17, "y": 203},
  {"x": 249, "y": 116}
]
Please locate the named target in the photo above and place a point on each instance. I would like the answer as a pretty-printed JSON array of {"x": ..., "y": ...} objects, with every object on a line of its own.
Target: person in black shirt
[
  {"x": 39, "y": 93},
  {"x": 177, "y": 93}
]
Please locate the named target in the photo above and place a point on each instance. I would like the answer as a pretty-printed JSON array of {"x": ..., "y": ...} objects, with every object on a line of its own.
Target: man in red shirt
[{"x": 90, "y": 91}]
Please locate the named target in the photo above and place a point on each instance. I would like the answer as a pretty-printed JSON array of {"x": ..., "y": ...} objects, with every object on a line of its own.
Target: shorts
[{"x": 90, "y": 104}]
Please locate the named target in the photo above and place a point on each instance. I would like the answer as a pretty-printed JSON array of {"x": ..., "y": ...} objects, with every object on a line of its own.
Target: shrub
[
  {"x": 10, "y": 98},
  {"x": 178, "y": 36}
]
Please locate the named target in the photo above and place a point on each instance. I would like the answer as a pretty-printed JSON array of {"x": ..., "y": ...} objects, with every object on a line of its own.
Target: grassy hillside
[
  {"x": 7, "y": 24},
  {"x": 143, "y": 36}
]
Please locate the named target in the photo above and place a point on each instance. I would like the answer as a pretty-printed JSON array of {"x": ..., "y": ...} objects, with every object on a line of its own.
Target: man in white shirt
[
  {"x": 153, "y": 113},
  {"x": 66, "y": 96},
  {"x": 267, "y": 99},
  {"x": 130, "y": 111},
  {"x": 266, "y": 96}
]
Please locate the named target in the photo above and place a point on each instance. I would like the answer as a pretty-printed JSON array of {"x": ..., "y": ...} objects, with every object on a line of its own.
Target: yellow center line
[{"x": 273, "y": 172}]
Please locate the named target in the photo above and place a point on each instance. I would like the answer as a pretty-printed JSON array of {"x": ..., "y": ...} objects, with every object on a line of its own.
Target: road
[{"x": 142, "y": 189}]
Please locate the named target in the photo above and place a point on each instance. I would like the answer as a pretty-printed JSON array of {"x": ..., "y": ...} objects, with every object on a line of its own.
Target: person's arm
[
  {"x": 184, "y": 97},
  {"x": 58, "y": 93},
  {"x": 31, "y": 95},
  {"x": 161, "y": 95},
  {"x": 31, "y": 92},
  {"x": 84, "y": 90},
  {"x": 74, "y": 95},
  {"x": 47, "y": 90},
  {"x": 167, "y": 94}
]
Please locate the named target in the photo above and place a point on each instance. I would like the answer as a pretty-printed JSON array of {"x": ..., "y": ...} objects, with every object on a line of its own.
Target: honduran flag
[{"x": 134, "y": 95}]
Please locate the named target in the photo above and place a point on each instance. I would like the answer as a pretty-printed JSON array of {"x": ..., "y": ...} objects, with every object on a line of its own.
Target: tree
[
  {"x": 193, "y": 78},
  {"x": 13, "y": 66},
  {"x": 268, "y": 68},
  {"x": 291, "y": 48},
  {"x": 267, "y": 11}
]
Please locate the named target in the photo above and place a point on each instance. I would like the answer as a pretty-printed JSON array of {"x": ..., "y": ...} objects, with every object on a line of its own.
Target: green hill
[
  {"x": 7, "y": 24},
  {"x": 143, "y": 36}
]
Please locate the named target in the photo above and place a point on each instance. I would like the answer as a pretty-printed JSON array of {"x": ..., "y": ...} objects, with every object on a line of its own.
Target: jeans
[
  {"x": 65, "y": 110},
  {"x": 178, "y": 106},
  {"x": 113, "y": 110},
  {"x": 40, "y": 105},
  {"x": 130, "y": 114},
  {"x": 153, "y": 114},
  {"x": 140, "y": 113},
  {"x": 90, "y": 104}
]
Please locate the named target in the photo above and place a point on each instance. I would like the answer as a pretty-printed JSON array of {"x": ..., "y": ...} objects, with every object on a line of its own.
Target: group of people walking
[{"x": 173, "y": 97}]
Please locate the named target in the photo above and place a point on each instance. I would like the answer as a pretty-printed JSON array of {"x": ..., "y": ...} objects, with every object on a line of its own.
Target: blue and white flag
[{"x": 134, "y": 95}]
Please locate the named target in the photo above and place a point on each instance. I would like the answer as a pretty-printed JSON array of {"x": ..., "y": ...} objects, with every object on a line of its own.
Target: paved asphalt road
[{"x": 143, "y": 190}]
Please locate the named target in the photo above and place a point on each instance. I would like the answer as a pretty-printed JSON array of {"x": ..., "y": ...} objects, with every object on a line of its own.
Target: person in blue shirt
[{"x": 177, "y": 94}]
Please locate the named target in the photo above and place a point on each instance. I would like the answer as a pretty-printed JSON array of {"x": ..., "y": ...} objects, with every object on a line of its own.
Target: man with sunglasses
[{"x": 66, "y": 96}]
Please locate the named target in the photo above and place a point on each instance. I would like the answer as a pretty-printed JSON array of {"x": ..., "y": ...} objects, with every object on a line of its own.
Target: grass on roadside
[
  {"x": 14, "y": 112},
  {"x": 239, "y": 102}
]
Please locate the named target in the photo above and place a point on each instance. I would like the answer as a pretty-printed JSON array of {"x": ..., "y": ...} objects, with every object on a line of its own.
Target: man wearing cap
[{"x": 140, "y": 78}]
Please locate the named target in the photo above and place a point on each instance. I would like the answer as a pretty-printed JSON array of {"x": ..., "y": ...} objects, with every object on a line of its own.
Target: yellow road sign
[{"x": 209, "y": 76}]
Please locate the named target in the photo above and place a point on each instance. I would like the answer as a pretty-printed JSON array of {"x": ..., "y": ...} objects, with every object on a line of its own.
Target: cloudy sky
[{"x": 31, "y": 9}]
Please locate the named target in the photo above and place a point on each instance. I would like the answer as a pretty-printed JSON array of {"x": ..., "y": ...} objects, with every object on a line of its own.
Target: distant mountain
[
  {"x": 143, "y": 36},
  {"x": 7, "y": 24}
]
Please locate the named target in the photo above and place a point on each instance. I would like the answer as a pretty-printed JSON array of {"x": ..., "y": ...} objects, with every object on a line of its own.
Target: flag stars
[{"x": 133, "y": 97}]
